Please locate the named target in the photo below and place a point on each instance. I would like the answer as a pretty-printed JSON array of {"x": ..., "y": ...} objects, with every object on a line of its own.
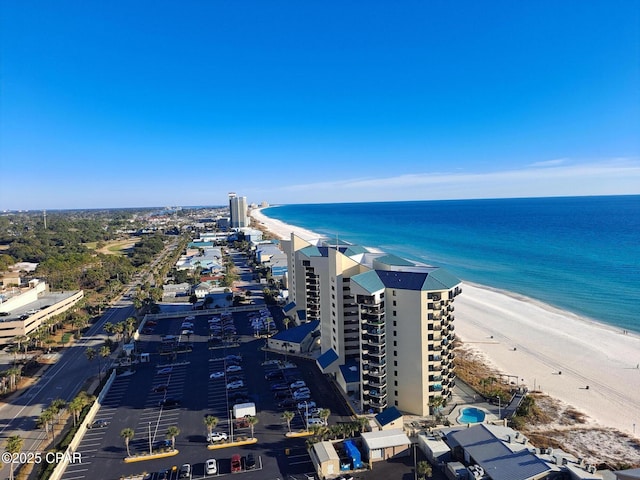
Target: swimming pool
[{"x": 471, "y": 415}]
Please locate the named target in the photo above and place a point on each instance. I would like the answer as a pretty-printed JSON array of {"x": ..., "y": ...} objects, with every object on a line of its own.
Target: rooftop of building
[{"x": 297, "y": 334}]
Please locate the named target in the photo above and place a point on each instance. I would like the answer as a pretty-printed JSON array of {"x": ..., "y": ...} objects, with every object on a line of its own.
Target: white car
[
  {"x": 305, "y": 405},
  {"x": 234, "y": 368},
  {"x": 216, "y": 437},
  {"x": 303, "y": 390},
  {"x": 186, "y": 332},
  {"x": 235, "y": 385},
  {"x": 211, "y": 467},
  {"x": 298, "y": 384},
  {"x": 314, "y": 421},
  {"x": 187, "y": 325},
  {"x": 217, "y": 375},
  {"x": 301, "y": 396}
]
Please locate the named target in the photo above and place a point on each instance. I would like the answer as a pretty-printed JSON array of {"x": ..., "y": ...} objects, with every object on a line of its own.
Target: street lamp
[
  {"x": 306, "y": 418},
  {"x": 150, "y": 448},
  {"x": 499, "y": 407}
]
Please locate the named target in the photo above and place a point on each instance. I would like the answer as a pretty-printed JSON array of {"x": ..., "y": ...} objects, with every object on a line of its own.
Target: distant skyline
[{"x": 159, "y": 103}]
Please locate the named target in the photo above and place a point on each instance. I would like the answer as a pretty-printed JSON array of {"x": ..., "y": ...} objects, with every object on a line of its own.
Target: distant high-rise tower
[{"x": 238, "y": 211}]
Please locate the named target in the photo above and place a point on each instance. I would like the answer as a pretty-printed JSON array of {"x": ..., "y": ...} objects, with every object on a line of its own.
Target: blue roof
[
  {"x": 313, "y": 251},
  {"x": 297, "y": 334},
  {"x": 289, "y": 306},
  {"x": 433, "y": 279},
  {"x": 327, "y": 358},
  {"x": 302, "y": 315},
  {"x": 350, "y": 371},
  {"x": 387, "y": 416},
  {"x": 494, "y": 456}
]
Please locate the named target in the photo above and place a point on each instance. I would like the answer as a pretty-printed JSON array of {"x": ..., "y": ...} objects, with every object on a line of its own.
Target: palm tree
[
  {"x": 14, "y": 446},
  {"x": 324, "y": 414},
  {"x": 118, "y": 328},
  {"x": 105, "y": 351},
  {"x": 253, "y": 421},
  {"x": 435, "y": 403},
  {"x": 109, "y": 329},
  {"x": 130, "y": 325},
  {"x": 75, "y": 407},
  {"x": 287, "y": 416},
  {"x": 172, "y": 433},
  {"x": 286, "y": 321},
  {"x": 424, "y": 470},
  {"x": 45, "y": 420},
  {"x": 211, "y": 422},
  {"x": 127, "y": 434},
  {"x": 57, "y": 407},
  {"x": 363, "y": 423}
]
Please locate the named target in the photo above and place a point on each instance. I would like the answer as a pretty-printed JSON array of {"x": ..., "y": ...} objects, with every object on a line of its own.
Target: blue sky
[{"x": 153, "y": 103}]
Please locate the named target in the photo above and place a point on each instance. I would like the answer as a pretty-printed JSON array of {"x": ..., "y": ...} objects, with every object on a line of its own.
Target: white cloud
[{"x": 559, "y": 177}]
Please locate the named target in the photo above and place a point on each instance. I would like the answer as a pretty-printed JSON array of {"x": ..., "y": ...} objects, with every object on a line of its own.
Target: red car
[{"x": 236, "y": 465}]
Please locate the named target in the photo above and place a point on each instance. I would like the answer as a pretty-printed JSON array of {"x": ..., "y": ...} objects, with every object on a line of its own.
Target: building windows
[
  {"x": 395, "y": 314},
  {"x": 306, "y": 263},
  {"x": 395, "y": 334},
  {"x": 395, "y": 343},
  {"x": 395, "y": 364},
  {"x": 395, "y": 382},
  {"x": 395, "y": 324},
  {"x": 394, "y": 303},
  {"x": 395, "y": 353}
]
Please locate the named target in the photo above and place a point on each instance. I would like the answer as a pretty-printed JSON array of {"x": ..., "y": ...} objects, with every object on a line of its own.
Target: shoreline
[{"x": 534, "y": 341}]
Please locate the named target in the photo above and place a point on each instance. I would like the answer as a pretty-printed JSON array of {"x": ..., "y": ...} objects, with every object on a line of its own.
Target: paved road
[{"x": 64, "y": 379}]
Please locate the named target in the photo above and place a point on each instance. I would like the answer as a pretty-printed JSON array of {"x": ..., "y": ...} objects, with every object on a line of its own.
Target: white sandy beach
[{"x": 534, "y": 342}]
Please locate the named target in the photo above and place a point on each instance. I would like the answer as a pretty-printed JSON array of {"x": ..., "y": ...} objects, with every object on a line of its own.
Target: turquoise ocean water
[{"x": 580, "y": 254}]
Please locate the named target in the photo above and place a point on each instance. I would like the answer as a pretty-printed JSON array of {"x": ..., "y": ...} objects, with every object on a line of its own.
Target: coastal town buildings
[
  {"x": 24, "y": 309},
  {"x": 238, "y": 211},
  {"x": 386, "y": 323}
]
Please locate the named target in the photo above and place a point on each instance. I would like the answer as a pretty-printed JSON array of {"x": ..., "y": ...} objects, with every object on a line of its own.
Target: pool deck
[{"x": 463, "y": 397}]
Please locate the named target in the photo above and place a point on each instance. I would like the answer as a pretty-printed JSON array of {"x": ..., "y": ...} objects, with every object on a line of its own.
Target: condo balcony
[
  {"x": 377, "y": 372},
  {"x": 377, "y": 352},
  {"x": 374, "y": 362},
  {"x": 435, "y": 378},
  {"x": 376, "y": 383},
  {"x": 437, "y": 305},
  {"x": 435, "y": 388},
  {"x": 381, "y": 393},
  {"x": 435, "y": 348},
  {"x": 380, "y": 403},
  {"x": 435, "y": 368}
]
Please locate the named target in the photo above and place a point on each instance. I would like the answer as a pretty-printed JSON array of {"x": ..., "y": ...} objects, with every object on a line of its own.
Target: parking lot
[{"x": 199, "y": 371}]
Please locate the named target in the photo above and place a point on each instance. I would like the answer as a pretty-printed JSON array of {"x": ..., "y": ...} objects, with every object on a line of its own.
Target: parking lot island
[
  {"x": 239, "y": 443},
  {"x": 150, "y": 456}
]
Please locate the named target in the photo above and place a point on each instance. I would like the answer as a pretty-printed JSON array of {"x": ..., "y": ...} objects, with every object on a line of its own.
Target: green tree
[
  {"x": 424, "y": 470},
  {"x": 172, "y": 433},
  {"x": 14, "y": 446},
  {"x": 363, "y": 423},
  {"x": 211, "y": 422},
  {"x": 287, "y": 416},
  {"x": 324, "y": 414},
  {"x": 127, "y": 434},
  {"x": 58, "y": 406},
  {"x": 253, "y": 421}
]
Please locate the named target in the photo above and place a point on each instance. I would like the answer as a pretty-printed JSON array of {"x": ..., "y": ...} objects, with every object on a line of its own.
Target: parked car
[
  {"x": 211, "y": 466},
  {"x": 160, "y": 388},
  {"x": 276, "y": 387},
  {"x": 233, "y": 357},
  {"x": 217, "y": 375},
  {"x": 147, "y": 331},
  {"x": 165, "y": 371},
  {"x": 314, "y": 421},
  {"x": 302, "y": 391},
  {"x": 98, "y": 424},
  {"x": 236, "y": 465},
  {"x": 298, "y": 384},
  {"x": 186, "y": 331},
  {"x": 150, "y": 323},
  {"x": 250, "y": 462},
  {"x": 235, "y": 385},
  {"x": 289, "y": 403},
  {"x": 301, "y": 396},
  {"x": 304, "y": 405},
  {"x": 275, "y": 375},
  {"x": 162, "y": 444},
  {"x": 216, "y": 436},
  {"x": 185, "y": 471},
  {"x": 234, "y": 368},
  {"x": 282, "y": 394},
  {"x": 169, "y": 402}
]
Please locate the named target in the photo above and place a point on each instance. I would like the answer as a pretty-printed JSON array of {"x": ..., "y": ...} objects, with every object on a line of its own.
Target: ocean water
[{"x": 580, "y": 254}]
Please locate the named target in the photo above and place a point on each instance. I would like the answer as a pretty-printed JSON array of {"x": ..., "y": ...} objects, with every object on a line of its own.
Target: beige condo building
[{"x": 386, "y": 323}]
